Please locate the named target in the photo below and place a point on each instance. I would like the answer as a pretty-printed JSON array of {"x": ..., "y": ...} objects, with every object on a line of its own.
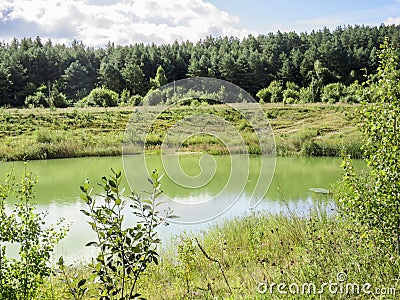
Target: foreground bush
[
  {"x": 24, "y": 229},
  {"x": 372, "y": 201},
  {"x": 124, "y": 253}
]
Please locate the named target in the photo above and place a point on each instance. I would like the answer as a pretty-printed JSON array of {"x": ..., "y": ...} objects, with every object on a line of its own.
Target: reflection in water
[{"x": 59, "y": 180}]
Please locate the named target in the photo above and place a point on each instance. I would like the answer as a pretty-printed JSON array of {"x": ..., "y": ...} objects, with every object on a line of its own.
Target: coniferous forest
[{"x": 289, "y": 67}]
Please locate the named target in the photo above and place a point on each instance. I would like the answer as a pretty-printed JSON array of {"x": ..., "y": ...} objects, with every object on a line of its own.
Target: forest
[{"x": 323, "y": 65}]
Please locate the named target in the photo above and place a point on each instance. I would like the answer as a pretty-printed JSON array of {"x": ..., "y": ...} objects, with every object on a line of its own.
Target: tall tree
[
  {"x": 160, "y": 79},
  {"x": 134, "y": 78},
  {"x": 77, "y": 82},
  {"x": 372, "y": 202}
]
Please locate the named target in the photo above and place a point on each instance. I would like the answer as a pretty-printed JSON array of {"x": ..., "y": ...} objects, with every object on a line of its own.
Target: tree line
[{"x": 274, "y": 67}]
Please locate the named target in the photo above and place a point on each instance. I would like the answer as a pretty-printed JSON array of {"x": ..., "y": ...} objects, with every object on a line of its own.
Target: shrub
[
  {"x": 273, "y": 93},
  {"x": 125, "y": 95},
  {"x": 264, "y": 95},
  {"x": 100, "y": 96},
  {"x": 306, "y": 95},
  {"x": 39, "y": 99},
  {"x": 24, "y": 228},
  {"x": 352, "y": 93},
  {"x": 154, "y": 97},
  {"x": 124, "y": 252},
  {"x": 333, "y": 92},
  {"x": 371, "y": 203},
  {"x": 290, "y": 96},
  {"x": 135, "y": 100},
  {"x": 59, "y": 100}
]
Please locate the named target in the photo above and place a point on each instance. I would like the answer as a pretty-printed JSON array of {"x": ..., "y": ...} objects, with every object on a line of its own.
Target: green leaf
[
  {"x": 112, "y": 183},
  {"x": 85, "y": 212},
  {"x": 136, "y": 249},
  {"x": 81, "y": 283},
  {"x": 61, "y": 261},
  {"x": 92, "y": 244}
]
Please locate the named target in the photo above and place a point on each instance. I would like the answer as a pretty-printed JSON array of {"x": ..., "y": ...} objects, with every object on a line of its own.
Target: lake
[{"x": 226, "y": 193}]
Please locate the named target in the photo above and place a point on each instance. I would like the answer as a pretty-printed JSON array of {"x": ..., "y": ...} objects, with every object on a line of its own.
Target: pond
[{"x": 58, "y": 193}]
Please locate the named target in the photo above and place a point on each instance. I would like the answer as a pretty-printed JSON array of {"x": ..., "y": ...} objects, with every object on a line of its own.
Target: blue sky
[
  {"x": 95, "y": 22},
  {"x": 305, "y": 15}
]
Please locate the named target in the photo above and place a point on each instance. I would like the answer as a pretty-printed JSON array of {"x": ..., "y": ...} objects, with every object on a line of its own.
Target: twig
[{"x": 216, "y": 261}]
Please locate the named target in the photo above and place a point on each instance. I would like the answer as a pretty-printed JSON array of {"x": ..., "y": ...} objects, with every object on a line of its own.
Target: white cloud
[
  {"x": 392, "y": 20},
  {"x": 121, "y": 22}
]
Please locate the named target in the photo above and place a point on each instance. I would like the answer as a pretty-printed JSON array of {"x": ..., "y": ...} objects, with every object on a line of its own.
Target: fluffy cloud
[
  {"x": 122, "y": 21},
  {"x": 392, "y": 20}
]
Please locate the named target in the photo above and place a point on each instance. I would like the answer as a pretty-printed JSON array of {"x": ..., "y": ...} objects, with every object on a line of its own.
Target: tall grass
[{"x": 260, "y": 249}]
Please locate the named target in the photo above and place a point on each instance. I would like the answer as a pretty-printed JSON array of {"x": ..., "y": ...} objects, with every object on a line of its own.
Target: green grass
[
  {"x": 261, "y": 248},
  {"x": 26, "y": 134}
]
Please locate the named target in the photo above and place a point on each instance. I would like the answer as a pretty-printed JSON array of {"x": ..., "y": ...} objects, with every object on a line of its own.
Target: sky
[{"x": 97, "y": 22}]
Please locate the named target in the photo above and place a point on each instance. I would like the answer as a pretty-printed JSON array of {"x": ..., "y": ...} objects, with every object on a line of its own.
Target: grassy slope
[{"x": 45, "y": 133}]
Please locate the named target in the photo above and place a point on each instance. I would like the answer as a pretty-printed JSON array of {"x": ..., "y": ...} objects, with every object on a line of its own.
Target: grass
[
  {"x": 247, "y": 254},
  {"x": 315, "y": 129}
]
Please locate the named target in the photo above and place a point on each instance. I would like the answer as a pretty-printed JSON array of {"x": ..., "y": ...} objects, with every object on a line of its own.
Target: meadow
[
  {"x": 312, "y": 130},
  {"x": 248, "y": 257}
]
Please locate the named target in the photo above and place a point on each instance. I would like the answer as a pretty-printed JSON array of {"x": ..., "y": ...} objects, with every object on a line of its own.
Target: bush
[
  {"x": 333, "y": 92},
  {"x": 306, "y": 95},
  {"x": 100, "y": 96},
  {"x": 273, "y": 93},
  {"x": 125, "y": 95},
  {"x": 59, "y": 100},
  {"x": 135, "y": 100},
  {"x": 352, "y": 93},
  {"x": 39, "y": 99},
  {"x": 154, "y": 97},
  {"x": 124, "y": 253},
  {"x": 264, "y": 95},
  {"x": 25, "y": 228},
  {"x": 276, "y": 90},
  {"x": 291, "y": 96}
]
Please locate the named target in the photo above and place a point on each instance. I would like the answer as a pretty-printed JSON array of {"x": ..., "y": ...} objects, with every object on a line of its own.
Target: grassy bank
[
  {"x": 57, "y": 133},
  {"x": 247, "y": 255}
]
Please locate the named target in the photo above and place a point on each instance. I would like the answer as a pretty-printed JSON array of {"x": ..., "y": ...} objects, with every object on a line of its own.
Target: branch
[{"x": 216, "y": 261}]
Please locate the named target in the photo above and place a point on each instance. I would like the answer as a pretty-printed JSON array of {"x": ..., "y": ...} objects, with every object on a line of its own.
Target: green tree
[
  {"x": 160, "y": 79},
  {"x": 134, "y": 78},
  {"x": 24, "y": 227},
  {"x": 110, "y": 76},
  {"x": 77, "y": 81},
  {"x": 5, "y": 83},
  {"x": 372, "y": 202}
]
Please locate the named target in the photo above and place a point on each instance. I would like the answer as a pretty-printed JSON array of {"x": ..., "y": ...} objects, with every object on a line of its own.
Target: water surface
[{"x": 58, "y": 189}]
